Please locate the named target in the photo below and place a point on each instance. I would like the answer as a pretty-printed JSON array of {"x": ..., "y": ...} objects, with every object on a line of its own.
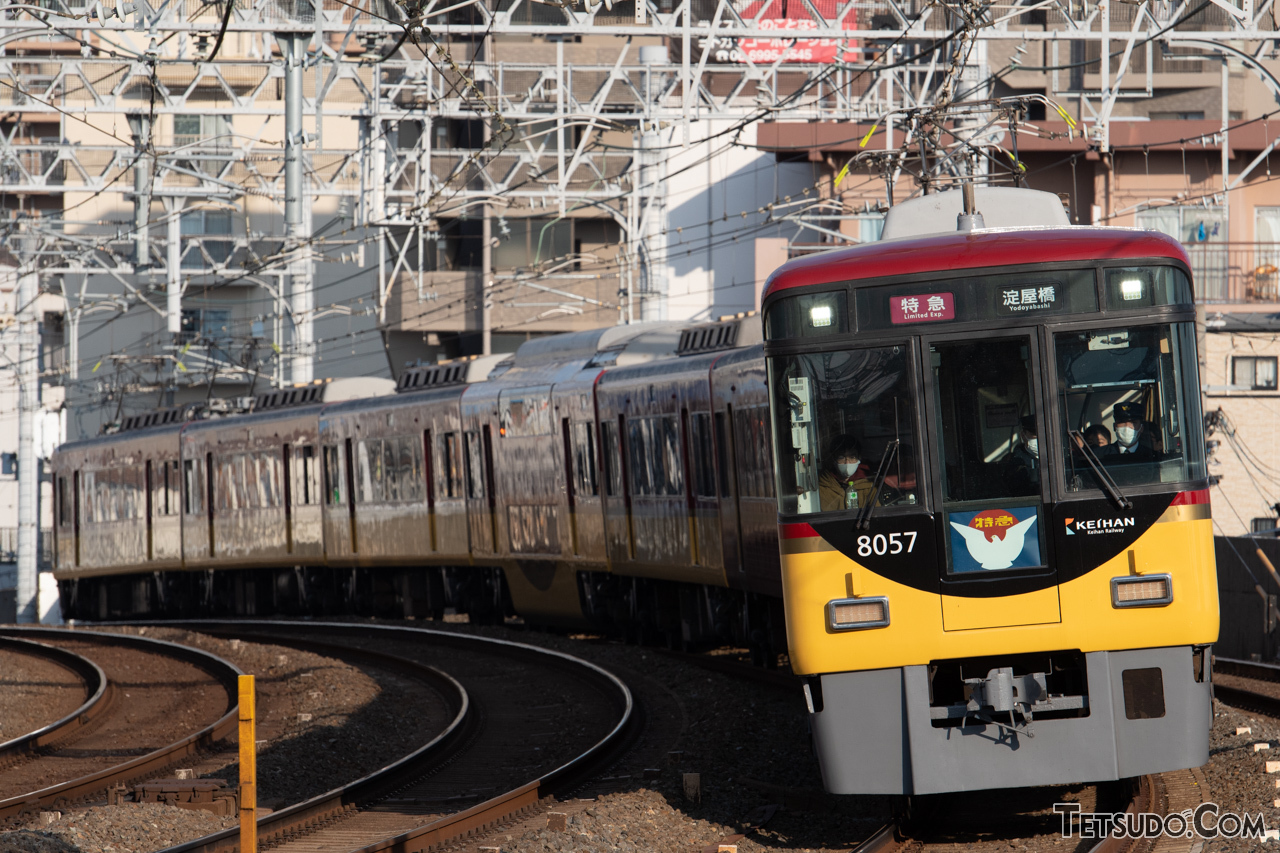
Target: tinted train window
[
  {"x": 525, "y": 411},
  {"x": 64, "y": 503},
  {"x": 1130, "y": 395},
  {"x": 389, "y": 470},
  {"x": 114, "y": 494},
  {"x": 475, "y": 464},
  {"x": 703, "y": 450},
  {"x": 193, "y": 486},
  {"x": 452, "y": 466},
  {"x": 751, "y": 425},
  {"x": 305, "y": 480},
  {"x": 248, "y": 481},
  {"x": 611, "y": 454},
  {"x": 584, "y": 460},
  {"x": 653, "y": 456},
  {"x": 838, "y": 414},
  {"x": 333, "y": 479},
  {"x": 987, "y": 430}
]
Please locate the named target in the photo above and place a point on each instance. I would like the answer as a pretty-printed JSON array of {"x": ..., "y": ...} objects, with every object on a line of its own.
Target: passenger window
[
  {"x": 989, "y": 440},
  {"x": 703, "y": 462},
  {"x": 305, "y": 491},
  {"x": 754, "y": 454},
  {"x": 193, "y": 486},
  {"x": 612, "y": 455},
  {"x": 475, "y": 464},
  {"x": 584, "y": 460},
  {"x": 334, "y": 488},
  {"x": 722, "y": 454},
  {"x": 653, "y": 446},
  {"x": 839, "y": 415},
  {"x": 452, "y": 466}
]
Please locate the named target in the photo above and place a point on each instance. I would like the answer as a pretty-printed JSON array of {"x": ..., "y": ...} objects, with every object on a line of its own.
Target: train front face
[{"x": 994, "y": 522}]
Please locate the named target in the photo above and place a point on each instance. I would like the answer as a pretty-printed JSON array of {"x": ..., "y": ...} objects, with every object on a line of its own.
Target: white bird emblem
[{"x": 995, "y": 553}]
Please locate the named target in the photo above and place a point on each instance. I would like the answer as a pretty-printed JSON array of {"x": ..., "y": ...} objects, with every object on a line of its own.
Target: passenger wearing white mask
[
  {"x": 1128, "y": 446},
  {"x": 845, "y": 482}
]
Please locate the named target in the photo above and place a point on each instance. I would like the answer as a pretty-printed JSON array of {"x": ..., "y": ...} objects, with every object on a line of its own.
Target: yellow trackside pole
[{"x": 248, "y": 767}]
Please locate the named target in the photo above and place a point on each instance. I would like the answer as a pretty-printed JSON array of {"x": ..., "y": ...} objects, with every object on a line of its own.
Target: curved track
[
  {"x": 46, "y": 737},
  {"x": 493, "y": 754},
  {"x": 94, "y": 784}
]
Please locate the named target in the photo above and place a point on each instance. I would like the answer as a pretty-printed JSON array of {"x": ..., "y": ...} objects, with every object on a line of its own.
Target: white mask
[
  {"x": 1127, "y": 435},
  {"x": 1033, "y": 447},
  {"x": 848, "y": 469}
]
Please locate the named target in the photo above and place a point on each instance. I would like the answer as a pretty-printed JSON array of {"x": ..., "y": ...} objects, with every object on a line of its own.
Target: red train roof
[{"x": 964, "y": 251}]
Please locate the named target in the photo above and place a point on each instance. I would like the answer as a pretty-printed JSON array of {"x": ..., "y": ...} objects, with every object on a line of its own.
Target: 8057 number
[{"x": 880, "y": 544}]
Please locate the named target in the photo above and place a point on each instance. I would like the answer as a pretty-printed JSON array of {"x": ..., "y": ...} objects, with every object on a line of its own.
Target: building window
[
  {"x": 200, "y": 248},
  {"x": 1265, "y": 526},
  {"x": 203, "y": 132},
  {"x": 1255, "y": 373}
]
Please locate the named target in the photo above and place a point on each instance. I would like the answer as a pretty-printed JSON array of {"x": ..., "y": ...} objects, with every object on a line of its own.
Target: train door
[
  {"x": 986, "y": 414},
  {"x": 727, "y": 472}
]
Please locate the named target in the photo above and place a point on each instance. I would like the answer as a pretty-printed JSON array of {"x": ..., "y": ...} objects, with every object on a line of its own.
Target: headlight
[
  {"x": 852, "y": 614},
  {"x": 1142, "y": 591}
]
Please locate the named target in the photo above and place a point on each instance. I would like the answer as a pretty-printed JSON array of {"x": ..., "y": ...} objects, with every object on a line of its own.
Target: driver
[
  {"x": 1129, "y": 429},
  {"x": 845, "y": 482},
  {"x": 1022, "y": 465}
]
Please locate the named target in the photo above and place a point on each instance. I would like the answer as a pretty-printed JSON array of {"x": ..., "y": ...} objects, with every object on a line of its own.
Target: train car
[
  {"x": 393, "y": 493},
  {"x": 997, "y": 555},
  {"x": 117, "y": 506},
  {"x": 529, "y": 510}
]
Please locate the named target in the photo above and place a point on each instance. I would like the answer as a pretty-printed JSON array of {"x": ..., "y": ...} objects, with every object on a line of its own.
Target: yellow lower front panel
[
  {"x": 1087, "y": 620},
  {"x": 1030, "y": 608}
]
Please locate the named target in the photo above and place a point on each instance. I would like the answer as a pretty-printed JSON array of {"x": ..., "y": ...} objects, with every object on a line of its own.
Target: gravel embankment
[
  {"x": 1236, "y": 773},
  {"x": 34, "y": 692}
]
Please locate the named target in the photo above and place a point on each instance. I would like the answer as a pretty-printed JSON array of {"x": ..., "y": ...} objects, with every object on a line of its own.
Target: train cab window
[
  {"x": 1128, "y": 393},
  {"x": 452, "y": 466},
  {"x": 987, "y": 426},
  {"x": 838, "y": 415},
  {"x": 334, "y": 480},
  {"x": 584, "y": 460}
]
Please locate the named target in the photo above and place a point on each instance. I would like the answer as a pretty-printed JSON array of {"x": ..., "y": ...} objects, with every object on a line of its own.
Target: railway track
[
  {"x": 102, "y": 724},
  {"x": 97, "y": 701},
  {"x": 1249, "y": 685},
  {"x": 503, "y": 753}
]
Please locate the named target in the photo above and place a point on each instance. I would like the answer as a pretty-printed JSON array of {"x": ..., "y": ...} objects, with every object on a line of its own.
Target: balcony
[{"x": 1235, "y": 272}]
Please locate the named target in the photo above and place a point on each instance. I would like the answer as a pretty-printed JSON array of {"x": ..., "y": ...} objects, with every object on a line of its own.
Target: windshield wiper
[
  {"x": 886, "y": 460},
  {"x": 1108, "y": 484}
]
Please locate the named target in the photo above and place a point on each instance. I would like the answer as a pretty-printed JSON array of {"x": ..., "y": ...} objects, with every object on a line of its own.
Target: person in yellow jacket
[{"x": 845, "y": 482}]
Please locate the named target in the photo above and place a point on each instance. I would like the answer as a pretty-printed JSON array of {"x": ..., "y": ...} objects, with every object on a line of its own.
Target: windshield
[
  {"x": 1131, "y": 393},
  {"x": 836, "y": 415}
]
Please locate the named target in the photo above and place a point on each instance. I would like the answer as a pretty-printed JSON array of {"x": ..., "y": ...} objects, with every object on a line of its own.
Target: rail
[
  {"x": 145, "y": 765},
  {"x": 366, "y": 789},
  {"x": 98, "y": 701}
]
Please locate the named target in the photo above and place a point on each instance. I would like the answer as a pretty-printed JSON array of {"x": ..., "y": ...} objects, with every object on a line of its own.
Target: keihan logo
[
  {"x": 1098, "y": 525},
  {"x": 994, "y": 537}
]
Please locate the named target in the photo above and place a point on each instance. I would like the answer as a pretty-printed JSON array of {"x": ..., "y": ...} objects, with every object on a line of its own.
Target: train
[
  {"x": 957, "y": 474},
  {"x": 616, "y": 479}
]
